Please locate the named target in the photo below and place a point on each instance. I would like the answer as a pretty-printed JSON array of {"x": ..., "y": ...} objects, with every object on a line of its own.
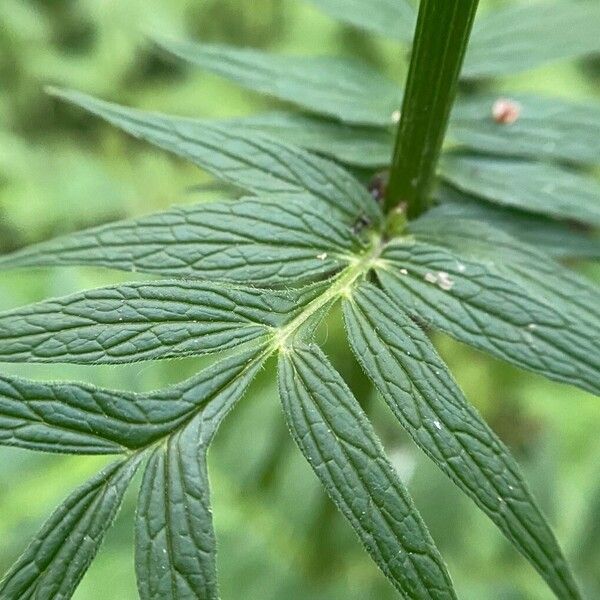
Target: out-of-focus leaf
[
  {"x": 392, "y": 18},
  {"x": 494, "y": 304},
  {"x": 546, "y": 128},
  {"x": 77, "y": 418},
  {"x": 142, "y": 321},
  {"x": 529, "y": 186},
  {"x": 336, "y": 87},
  {"x": 557, "y": 239},
  {"x": 60, "y": 554},
  {"x": 504, "y": 41},
  {"x": 352, "y": 145},
  {"x": 275, "y": 240},
  {"x": 339, "y": 443},
  {"x": 253, "y": 162},
  {"x": 416, "y": 384},
  {"x": 526, "y": 35}
]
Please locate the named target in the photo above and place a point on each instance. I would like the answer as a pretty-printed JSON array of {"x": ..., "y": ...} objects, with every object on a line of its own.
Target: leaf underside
[
  {"x": 422, "y": 394},
  {"x": 337, "y": 440},
  {"x": 255, "y": 277}
]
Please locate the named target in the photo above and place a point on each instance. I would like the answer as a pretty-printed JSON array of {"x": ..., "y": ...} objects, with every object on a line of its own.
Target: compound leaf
[
  {"x": 252, "y": 162},
  {"x": 142, "y": 321},
  {"x": 421, "y": 392},
  {"x": 77, "y": 418},
  {"x": 339, "y": 443},
  {"x": 341, "y": 88},
  {"x": 60, "y": 554},
  {"x": 535, "y": 187},
  {"x": 493, "y": 309},
  {"x": 516, "y": 38},
  {"x": 271, "y": 240},
  {"x": 175, "y": 540},
  {"x": 395, "y": 19}
]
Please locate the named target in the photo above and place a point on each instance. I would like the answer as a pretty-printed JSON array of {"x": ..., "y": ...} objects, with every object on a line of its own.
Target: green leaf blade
[
  {"x": 484, "y": 304},
  {"x": 421, "y": 392},
  {"x": 535, "y": 187},
  {"x": 340, "y": 88},
  {"x": 75, "y": 418},
  {"x": 348, "y": 144},
  {"x": 58, "y": 557},
  {"x": 251, "y": 162},
  {"x": 516, "y": 38},
  {"x": 267, "y": 241},
  {"x": 142, "y": 321},
  {"x": 556, "y": 285},
  {"x": 395, "y": 19},
  {"x": 547, "y": 128},
  {"x": 339, "y": 443},
  {"x": 175, "y": 540},
  {"x": 556, "y": 239}
]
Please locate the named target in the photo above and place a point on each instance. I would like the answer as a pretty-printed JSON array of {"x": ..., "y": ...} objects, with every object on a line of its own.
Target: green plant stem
[{"x": 442, "y": 35}]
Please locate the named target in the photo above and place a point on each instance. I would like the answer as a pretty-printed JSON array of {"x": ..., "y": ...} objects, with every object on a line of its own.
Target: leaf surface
[
  {"x": 494, "y": 309},
  {"x": 524, "y": 36},
  {"x": 251, "y": 162},
  {"x": 546, "y": 128},
  {"x": 341, "y": 88},
  {"x": 175, "y": 539},
  {"x": 339, "y": 443},
  {"x": 559, "y": 240},
  {"x": 421, "y": 392},
  {"x": 77, "y": 418},
  {"x": 60, "y": 554},
  {"x": 395, "y": 19},
  {"x": 349, "y": 144},
  {"x": 560, "y": 287},
  {"x": 535, "y": 187},
  {"x": 142, "y": 321},
  {"x": 264, "y": 241}
]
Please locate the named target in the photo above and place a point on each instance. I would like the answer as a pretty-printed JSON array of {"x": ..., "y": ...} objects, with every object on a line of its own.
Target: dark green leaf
[
  {"x": 527, "y": 35},
  {"x": 252, "y": 162},
  {"x": 336, "y": 87},
  {"x": 558, "y": 286},
  {"x": 60, "y": 554},
  {"x": 268, "y": 241},
  {"x": 342, "y": 448},
  {"x": 534, "y": 187},
  {"x": 82, "y": 419},
  {"x": 416, "y": 384},
  {"x": 491, "y": 308},
  {"x": 352, "y": 145},
  {"x": 558, "y": 240},
  {"x": 392, "y": 18},
  {"x": 175, "y": 540},
  {"x": 546, "y": 128},
  {"x": 142, "y": 321}
]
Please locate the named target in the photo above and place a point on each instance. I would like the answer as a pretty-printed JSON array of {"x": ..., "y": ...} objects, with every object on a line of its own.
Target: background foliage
[{"x": 61, "y": 170}]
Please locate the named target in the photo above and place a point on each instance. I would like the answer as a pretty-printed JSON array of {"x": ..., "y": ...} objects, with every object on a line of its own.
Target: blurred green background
[{"x": 279, "y": 537}]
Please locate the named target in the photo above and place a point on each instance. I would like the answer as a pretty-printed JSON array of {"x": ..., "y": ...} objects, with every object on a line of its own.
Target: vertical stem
[{"x": 442, "y": 35}]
